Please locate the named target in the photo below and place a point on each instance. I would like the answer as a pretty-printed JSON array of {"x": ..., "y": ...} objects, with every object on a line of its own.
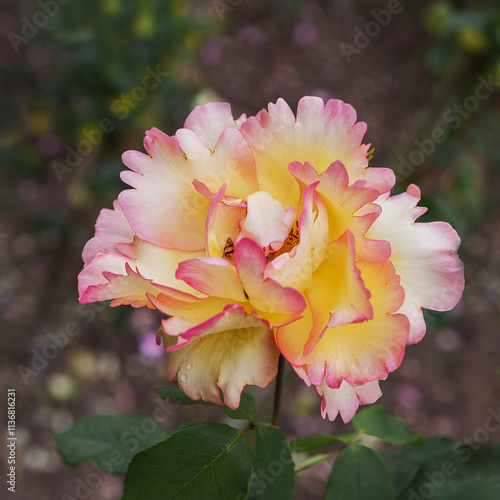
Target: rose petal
[
  {"x": 273, "y": 302},
  {"x": 162, "y": 181},
  {"x": 346, "y": 399},
  {"x": 159, "y": 264},
  {"x": 126, "y": 287},
  {"x": 321, "y": 134},
  {"x": 267, "y": 220},
  {"x": 424, "y": 255},
  {"x": 295, "y": 268},
  {"x": 112, "y": 227},
  {"x": 226, "y": 353},
  {"x": 342, "y": 203},
  {"x": 191, "y": 311},
  {"x": 337, "y": 294},
  {"x": 213, "y": 277},
  {"x": 176, "y": 213},
  {"x": 231, "y": 162},
  {"x": 356, "y": 352},
  {"x": 209, "y": 120},
  {"x": 222, "y": 224}
]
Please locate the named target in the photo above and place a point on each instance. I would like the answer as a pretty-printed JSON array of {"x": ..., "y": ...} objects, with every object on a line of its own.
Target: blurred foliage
[
  {"x": 92, "y": 61},
  {"x": 464, "y": 51}
]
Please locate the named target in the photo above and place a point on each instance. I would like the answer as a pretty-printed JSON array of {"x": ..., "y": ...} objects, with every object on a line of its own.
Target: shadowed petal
[
  {"x": 227, "y": 352},
  {"x": 346, "y": 399}
]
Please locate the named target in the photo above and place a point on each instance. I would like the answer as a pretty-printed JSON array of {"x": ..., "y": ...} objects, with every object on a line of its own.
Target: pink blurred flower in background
[{"x": 268, "y": 235}]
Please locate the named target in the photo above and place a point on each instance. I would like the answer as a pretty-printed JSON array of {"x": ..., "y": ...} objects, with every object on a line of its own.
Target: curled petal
[
  {"x": 112, "y": 227},
  {"x": 125, "y": 287},
  {"x": 213, "y": 277},
  {"x": 424, "y": 255},
  {"x": 346, "y": 399},
  {"x": 295, "y": 268},
  {"x": 233, "y": 317},
  {"x": 342, "y": 202},
  {"x": 189, "y": 310},
  {"x": 275, "y": 303},
  {"x": 357, "y": 352},
  {"x": 227, "y": 352},
  {"x": 267, "y": 220},
  {"x": 209, "y": 120},
  {"x": 222, "y": 224},
  {"x": 337, "y": 294},
  {"x": 127, "y": 277},
  {"x": 230, "y": 201}
]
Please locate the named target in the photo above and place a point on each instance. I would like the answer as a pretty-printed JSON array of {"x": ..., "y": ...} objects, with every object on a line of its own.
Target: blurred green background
[{"x": 103, "y": 72}]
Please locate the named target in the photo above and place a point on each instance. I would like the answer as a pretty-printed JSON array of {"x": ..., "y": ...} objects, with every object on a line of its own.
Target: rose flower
[{"x": 268, "y": 235}]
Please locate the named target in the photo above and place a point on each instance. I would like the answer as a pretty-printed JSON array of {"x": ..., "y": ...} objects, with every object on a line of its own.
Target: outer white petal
[{"x": 424, "y": 255}]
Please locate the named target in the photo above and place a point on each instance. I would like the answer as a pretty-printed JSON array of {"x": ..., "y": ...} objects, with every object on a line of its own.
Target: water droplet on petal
[
  {"x": 184, "y": 377},
  {"x": 188, "y": 367}
]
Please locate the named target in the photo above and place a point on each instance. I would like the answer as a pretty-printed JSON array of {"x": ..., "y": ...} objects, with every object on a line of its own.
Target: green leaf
[
  {"x": 359, "y": 473},
  {"x": 375, "y": 421},
  {"x": 246, "y": 410},
  {"x": 405, "y": 462},
  {"x": 274, "y": 475},
  {"x": 313, "y": 443},
  {"x": 109, "y": 440},
  {"x": 205, "y": 460},
  {"x": 444, "y": 469}
]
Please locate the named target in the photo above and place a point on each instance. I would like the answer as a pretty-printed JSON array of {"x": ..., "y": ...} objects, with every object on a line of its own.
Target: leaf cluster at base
[{"x": 217, "y": 461}]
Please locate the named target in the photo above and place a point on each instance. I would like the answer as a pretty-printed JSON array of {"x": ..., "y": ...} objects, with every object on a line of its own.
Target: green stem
[
  {"x": 277, "y": 391},
  {"x": 322, "y": 457},
  {"x": 314, "y": 460}
]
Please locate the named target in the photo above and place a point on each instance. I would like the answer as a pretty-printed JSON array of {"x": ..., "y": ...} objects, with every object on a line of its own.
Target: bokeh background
[{"x": 69, "y": 67}]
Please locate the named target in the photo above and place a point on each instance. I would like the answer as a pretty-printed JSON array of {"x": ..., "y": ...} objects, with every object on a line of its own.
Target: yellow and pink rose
[{"x": 268, "y": 235}]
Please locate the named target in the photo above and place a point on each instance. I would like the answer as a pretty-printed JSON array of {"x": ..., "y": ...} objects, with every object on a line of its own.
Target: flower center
[
  {"x": 228, "y": 252},
  {"x": 289, "y": 244}
]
